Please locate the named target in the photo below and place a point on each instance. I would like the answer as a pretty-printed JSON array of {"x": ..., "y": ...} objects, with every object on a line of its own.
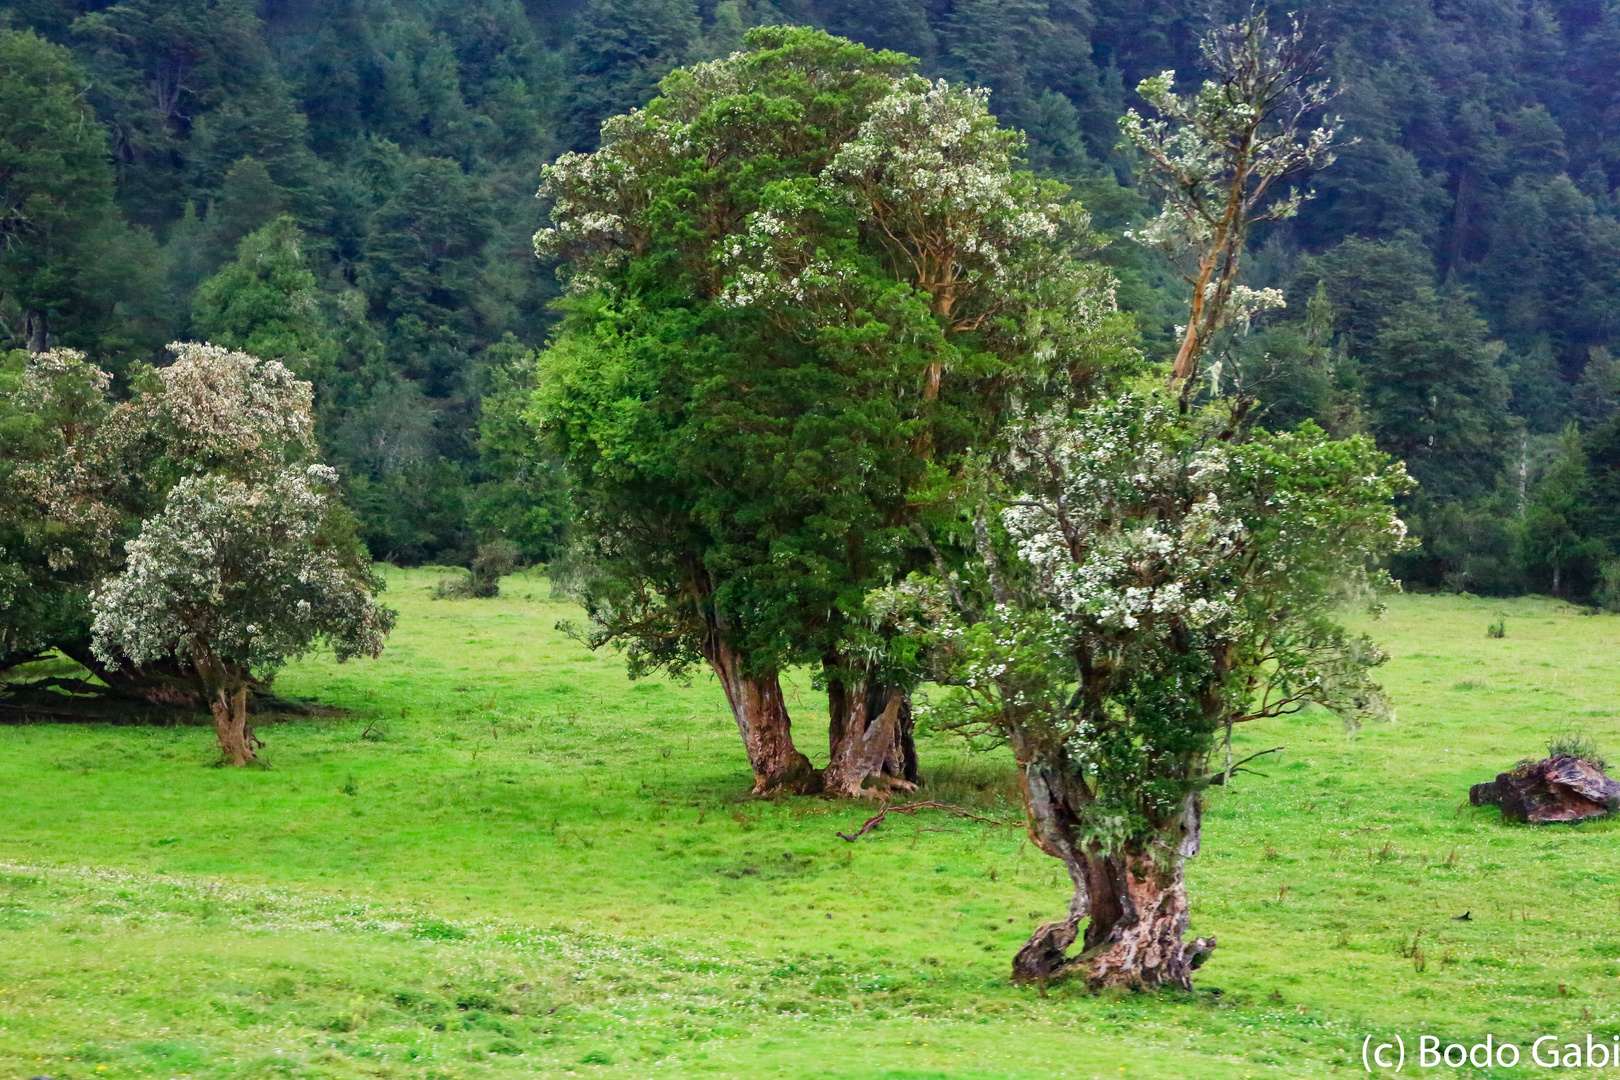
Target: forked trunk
[
  {"x": 236, "y": 739},
  {"x": 762, "y": 719},
  {"x": 1133, "y": 901},
  {"x": 871, "y": 737}
]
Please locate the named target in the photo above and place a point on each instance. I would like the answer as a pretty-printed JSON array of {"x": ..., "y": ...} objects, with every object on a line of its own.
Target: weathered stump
[{"x": 1558, "y": 788}]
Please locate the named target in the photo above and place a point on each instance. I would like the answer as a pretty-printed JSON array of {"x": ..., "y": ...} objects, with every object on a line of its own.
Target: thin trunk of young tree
[
  {"x": 762, "y": 719},
  {"x": 870, "y": 734},
  {"x": 36, "y": 331}
]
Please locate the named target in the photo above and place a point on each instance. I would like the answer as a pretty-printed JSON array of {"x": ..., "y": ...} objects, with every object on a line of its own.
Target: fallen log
[{"x": 1559, "y": 788}]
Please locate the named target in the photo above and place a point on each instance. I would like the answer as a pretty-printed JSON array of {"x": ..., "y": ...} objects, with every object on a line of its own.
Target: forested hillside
[{"x": 349, "y": 186}]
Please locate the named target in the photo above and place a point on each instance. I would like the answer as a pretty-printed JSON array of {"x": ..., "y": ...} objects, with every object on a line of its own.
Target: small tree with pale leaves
[
  {"x": 236, "y": 578},
  {"x": 1216, "y": 157},
  {"x": 251, "y": 560}
]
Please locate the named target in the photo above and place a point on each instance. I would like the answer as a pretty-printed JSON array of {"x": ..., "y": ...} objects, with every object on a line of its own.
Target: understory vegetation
[{"x": 507, "y": 859}]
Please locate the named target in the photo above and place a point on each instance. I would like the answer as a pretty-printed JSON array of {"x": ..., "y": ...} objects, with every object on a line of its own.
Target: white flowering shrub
[
  {"x": 242, "y": 577},
  {"x": 180, "y": 540},
  {"x": 96, "y": 466}
]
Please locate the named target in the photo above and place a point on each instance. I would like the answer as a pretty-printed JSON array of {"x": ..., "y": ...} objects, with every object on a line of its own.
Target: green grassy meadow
[{"x": 508, "y": 860}]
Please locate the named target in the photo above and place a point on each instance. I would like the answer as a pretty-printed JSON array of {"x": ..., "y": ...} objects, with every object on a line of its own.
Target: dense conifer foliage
[{"x": 182, "y": 169}]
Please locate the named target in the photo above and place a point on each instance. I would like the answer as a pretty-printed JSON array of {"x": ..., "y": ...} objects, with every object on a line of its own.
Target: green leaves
[
  {"x": 806, "y": 285},
  {"x": 1151, "y": 576}
]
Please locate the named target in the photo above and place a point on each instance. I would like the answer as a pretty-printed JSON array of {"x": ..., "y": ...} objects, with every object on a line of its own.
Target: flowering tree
[
  {"x": 806, "y": 284},
  {"x": 217, "y": 410},
  {"x": 1152, "y": 575},
  {"x": 67, "y": 498},
  {"x": 1151, "y": 580},
  {"x": 193, "y": 502},
  {"x": 1216, "y": 156},
  {"x": 234, "y": 578}
]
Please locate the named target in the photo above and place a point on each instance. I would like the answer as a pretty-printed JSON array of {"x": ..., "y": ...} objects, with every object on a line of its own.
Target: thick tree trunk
[
  {"x": 236, "y": 739},
  {"x": 762, "y": 719},
  {"x": 1134, "y": 901},
  {"x": 1139, "y": 919},
  {"x": 870, "y": 733}
]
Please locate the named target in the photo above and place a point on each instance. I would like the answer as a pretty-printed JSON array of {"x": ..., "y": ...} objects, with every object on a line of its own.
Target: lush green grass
[{"x": 511, "y": 861}]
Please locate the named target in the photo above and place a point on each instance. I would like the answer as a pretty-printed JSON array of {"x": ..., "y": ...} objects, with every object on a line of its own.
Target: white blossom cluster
[
  {"x": 1160, "y": 574},
  {"x": 932, "y": 169},
  {"x": 211, "y": 409},
  {"x": 777, "y": 260},
  {"x": 70, "y": 481},
  {"x": 248, "y": 561},
  {"x": 240, "y": 573},
  {"x": 1190, "y": 143},
  {"x": 930, "y": 174},
  {"x": 1140, "y": 526},
  {"x": 1098, "y": 551},
  {"x": 596, "y": 198},
  {"x": 219, "y": 407}
]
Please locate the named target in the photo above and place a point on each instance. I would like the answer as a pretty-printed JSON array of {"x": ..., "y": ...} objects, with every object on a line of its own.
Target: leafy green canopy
[{"x": 804, "y": 283}]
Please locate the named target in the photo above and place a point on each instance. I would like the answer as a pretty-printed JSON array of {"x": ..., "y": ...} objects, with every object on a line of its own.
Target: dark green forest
[{"x": 349, "y": 186}]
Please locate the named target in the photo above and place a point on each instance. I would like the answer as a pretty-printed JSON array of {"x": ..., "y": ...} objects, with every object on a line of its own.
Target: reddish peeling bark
[
  {"x": 1139, "y": 917},
  {"x": 762, "y": 719},
  {"x": 1133, "y": 901},
  {"x": 870, "y": 735}
]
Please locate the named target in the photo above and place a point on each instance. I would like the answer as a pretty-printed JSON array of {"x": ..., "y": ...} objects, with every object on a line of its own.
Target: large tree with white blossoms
[
  {"x": 1153, "y": 575},
  {"x": 1152, "y": 580},
  {"x": 806, "y": 283}
]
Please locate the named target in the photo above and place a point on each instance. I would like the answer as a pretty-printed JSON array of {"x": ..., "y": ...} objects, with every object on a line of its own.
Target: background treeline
[{"x": 349, "y": 185}]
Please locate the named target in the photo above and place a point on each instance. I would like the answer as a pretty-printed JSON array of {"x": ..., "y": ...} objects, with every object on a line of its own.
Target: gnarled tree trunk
[
  {"x": 870, "y": 735},
  {"x": 1133, "y": 901},
  {"x": 236, "y": 740},
  {"x": 762, "y": 719}
]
